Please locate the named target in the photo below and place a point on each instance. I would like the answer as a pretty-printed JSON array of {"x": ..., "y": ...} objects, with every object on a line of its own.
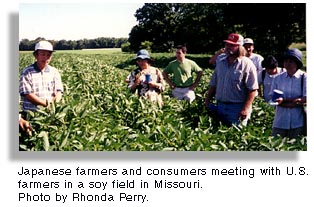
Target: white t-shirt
[{"x": 257, "y": 60}]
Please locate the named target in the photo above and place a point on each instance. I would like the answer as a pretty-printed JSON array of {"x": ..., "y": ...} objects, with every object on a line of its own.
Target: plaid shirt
[{"x": 42, "y": 83}]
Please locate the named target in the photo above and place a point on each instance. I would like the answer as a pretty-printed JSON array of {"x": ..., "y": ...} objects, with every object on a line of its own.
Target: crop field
[{"x": 98, "y": 113}]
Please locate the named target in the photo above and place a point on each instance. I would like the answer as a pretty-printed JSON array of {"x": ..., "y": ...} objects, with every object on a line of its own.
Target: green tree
[
  {"x": 273, "y": 27},
  {"x": 125, "y": 47},
  {"x": 157, "y": 23},
  {"x": 202, "y": 27},
  {"x": 146, "y": 45}
]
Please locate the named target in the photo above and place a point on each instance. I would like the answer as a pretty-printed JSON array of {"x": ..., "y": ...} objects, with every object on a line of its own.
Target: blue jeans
[{"x": 228, "y": 113}]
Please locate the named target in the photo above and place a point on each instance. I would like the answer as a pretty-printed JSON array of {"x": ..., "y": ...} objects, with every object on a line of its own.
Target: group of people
[
  {"x": 289, "y": 120},
  {"x": 239, "y": 76},
  {"x": 182, "y": 83}
]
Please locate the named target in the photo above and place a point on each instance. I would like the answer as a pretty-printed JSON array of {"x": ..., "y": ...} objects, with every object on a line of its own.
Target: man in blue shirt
[{"x": 234, "y": 83}]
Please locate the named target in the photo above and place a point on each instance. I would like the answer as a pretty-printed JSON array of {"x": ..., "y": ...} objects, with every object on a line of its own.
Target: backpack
[
  {"x": 304, "y": 109},
  {"x": 263, "y": 75}
]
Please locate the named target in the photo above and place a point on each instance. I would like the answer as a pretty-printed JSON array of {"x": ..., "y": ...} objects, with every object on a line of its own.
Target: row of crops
[{"x": 98, "y": 113}]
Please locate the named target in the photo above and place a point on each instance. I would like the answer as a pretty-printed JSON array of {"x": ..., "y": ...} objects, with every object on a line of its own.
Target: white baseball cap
[
  {"x": 248, "y": 41},
  {"x": 44, "y": 45}
]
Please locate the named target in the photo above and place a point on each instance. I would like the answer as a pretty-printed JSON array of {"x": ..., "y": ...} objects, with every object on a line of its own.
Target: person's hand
[
  {"x": 290, "y": 103},
  {"x": 172, "y": 86},
  {"x": 47, "y": 104},
  {"x": 138, "y": 79},
  {"x": 298, "y": 101},
  {"x": 207, "y": 102},
  {"x": 220, "y": 51},
  {"x": 153, "y": 84},
  {"x": 137, "y": 82},
  {"x": 279, "y": 100},
  {"x": 243, "y": 114},
  {"x": 25, "y": 126},
  {"x": 57, "y": 96}
]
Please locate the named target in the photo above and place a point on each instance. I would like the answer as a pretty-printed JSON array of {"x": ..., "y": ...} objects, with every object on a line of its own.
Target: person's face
[
  {"x": 180, "y": 54},
  {"x": 249, "y": 48},
  {"x": 142, "y": 63},
  {"x": 43, "y": 58},
  {"x": 271, "y": 71},
  {"x": 289, "y": 64},
  {"x": 231, "y": 49}
]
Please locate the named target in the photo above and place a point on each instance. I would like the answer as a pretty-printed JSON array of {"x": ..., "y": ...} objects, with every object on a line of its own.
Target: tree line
[
  {"x": 203, "y": 26},
  {"x": 101, "y": 42}
]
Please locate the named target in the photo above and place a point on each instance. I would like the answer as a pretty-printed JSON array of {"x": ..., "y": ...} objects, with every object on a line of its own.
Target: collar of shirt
[
  {"x": 297, "y": 74},
  {"x": 225, "y": 58},
  {"x": 46, "y": 69}
]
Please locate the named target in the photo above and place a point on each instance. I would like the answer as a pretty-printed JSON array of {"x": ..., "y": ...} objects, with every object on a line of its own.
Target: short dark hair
[
  {"x": 182, "y": 47},
  {"x": 270, "y": 62}
]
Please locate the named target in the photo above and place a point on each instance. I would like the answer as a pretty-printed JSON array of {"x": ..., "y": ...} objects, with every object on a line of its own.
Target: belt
[
  {"x": 183, "y": 86},
  {"x": 228, "y": 103}
]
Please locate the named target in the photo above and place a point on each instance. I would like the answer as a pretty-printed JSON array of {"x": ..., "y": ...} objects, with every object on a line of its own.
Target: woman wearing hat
[
  {"x": 289, "y": 116},
  {"x": 146, "y": 79}
]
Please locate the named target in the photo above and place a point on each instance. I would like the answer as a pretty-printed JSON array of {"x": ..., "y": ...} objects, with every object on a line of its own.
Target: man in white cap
[
  {"x": 257, "y": 59},
  {"x": 40, "y": 83},
  {"x": 233, "y": 83}
]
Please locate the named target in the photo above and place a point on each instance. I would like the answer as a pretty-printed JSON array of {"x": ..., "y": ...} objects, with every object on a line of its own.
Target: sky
[{"x": 74, "y": 21}]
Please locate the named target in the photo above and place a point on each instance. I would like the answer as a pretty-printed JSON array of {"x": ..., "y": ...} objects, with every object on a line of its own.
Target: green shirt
[{"x": 182, "y": 72}]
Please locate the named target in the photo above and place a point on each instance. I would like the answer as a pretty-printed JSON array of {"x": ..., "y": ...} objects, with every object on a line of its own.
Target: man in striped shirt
[
  {"x": 233, "y": 83},
  {"x": 40, "y": 83}
]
